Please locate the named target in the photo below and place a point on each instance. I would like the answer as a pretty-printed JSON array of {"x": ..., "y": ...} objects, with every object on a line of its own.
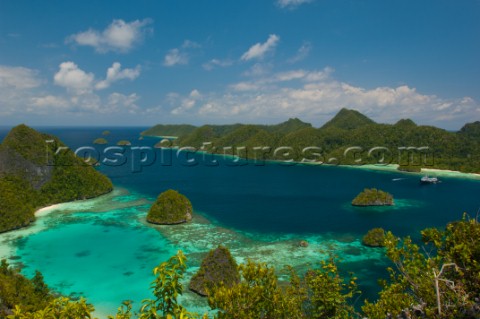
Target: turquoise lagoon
[{"x": 103, "y": 249}]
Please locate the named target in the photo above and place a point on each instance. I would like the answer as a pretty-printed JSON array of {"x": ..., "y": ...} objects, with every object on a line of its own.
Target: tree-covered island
[
  {"x": 404, "y": 143},
  {"x": 34, "y": 175},
  {"x": 218, "y": 268},
  {"x": 170, "y": 208},
  {"x": 373, "y": 197}
]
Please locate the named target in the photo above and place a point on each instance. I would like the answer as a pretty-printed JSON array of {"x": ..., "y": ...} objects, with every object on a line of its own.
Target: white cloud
[
  {"x": 302, "y": 53},
  {"x": 49, "y": 101},
  {"x": 315, "y": 96},
  {"x": 115, "y": 73},
  {"x": 291, "y": 3},
  {"x": 186, "y": 104},
  {"x": 22, "y": 92},
  {"x": 175, "y": 57},
  {"x": 258, "y": 50},
  {"x": 214, "y": 63},
  {"x": 71, "y": 77},
  {"x": 118, "y": 102},
  {"x": 119, "y": 36},
  {"x": 259, "y": 70},
  {"x": 245, "y": 86},
  {"x": 18, "y": 77},
  {"x": 180, "y": 56},
  {"x": 189, "y": 44},
  {"x": 262, "y": 81},
  {"x": 77, "y": 81}
]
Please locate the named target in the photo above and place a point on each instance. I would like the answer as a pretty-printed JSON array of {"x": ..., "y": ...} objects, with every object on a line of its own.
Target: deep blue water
[
  {"x": 276, "y": 198},
  {"x": 262, "y": 205}
]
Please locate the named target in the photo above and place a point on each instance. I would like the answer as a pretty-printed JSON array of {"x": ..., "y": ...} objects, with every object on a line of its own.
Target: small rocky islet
[
  {"x": 170, "y": 208},
  {"x": 373, "y": 197},
  {"x": 218, "y": 267}
]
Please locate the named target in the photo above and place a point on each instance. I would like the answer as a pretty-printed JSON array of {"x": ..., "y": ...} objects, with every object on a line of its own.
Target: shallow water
[{"x": 104, "y": 250}]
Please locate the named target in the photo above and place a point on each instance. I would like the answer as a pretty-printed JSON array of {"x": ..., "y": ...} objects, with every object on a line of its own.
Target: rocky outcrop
[
  {"x": 373, "y": 197},
  {"x": 374, "y": 238},
  {"x": 170, "y": 208},
  {"x": 34, "y": 174},
  {"x": 217, "y": 268}
]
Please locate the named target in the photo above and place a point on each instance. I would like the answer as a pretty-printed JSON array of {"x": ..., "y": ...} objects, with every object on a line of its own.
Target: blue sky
[{"x": 178, "y": 61}]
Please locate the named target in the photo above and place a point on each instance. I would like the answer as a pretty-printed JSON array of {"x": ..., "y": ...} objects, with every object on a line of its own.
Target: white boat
[{"x": 429, "y": 180}]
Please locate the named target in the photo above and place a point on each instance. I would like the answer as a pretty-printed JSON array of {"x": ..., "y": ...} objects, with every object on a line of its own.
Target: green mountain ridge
[
  {"x": 32, "y": 175},
  {"x": 348, "y": 120},
  {"x": 349, "y": 128}
]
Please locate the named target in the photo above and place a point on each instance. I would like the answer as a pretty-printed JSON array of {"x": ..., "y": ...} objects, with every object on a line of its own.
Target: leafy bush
[{"x": 439, "y": 281}]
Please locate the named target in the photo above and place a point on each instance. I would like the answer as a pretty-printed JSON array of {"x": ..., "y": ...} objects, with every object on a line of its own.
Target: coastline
[
  {"x": 44, "y": 211},
  {"x": 168, "y": 137},
  {"x": 7, "y": 248},
  {"x": 393, "y": 168},
  {"x": 425, "y": 171},
  {"x": 7, "y": 239}
]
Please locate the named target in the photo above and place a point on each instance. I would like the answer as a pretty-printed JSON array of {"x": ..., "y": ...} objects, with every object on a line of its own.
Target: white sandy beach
[
  {"x": 7, "y": 249},
  {"x": 425, "y": 171}
]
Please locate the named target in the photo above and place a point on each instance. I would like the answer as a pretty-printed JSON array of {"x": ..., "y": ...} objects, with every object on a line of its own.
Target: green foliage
[
  {"x": 257, "y": 295},
  {"x": 17, "y": 200},
  {"x": 218, "y": 268},
  {"x": 375, "y": 237},
  {"x": 104, "y": 133},
  {"x": 444, "y": 150},
  {"x": 410, "y": 168},
  {"x": 15, "y": 289},
  {"x": 74, "y": 182},
  {"x": 471, "y": 130},
  {"x": 348, "y": 120},
  {"x": 292, "y": 125},
  {"x": 441, "y": 280},
  {"x": 328, "y": 295},
  {"x": 34, "y": 174},
  {"x": 406, "y": 123},
  {"x": 100, "y": 140},
  {"x": 373, "y": 197},
  {"x": 166, "y": 289},
  {"x": 58, "y": 308},
  {"x": 169, "y": 130},
  {"x": 26, "y": 142},
  {"x": 170, "y": 208},
  {"x": 124, "y": 311},
  {"x": 321, "y": 293}
]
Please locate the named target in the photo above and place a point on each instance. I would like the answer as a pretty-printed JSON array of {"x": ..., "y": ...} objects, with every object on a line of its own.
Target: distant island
[
  {"x": 169, "y": 130},
  {"x": 100, "y": 141},
  {"x": 33, "y": 175},
  {"x": 170, "y": 208},
  {"x": 124, "y": 143},
  {"x": 374, "y": 238},
  {"x": 459, "y": 151},
  {"x": 373, "y": 197}
]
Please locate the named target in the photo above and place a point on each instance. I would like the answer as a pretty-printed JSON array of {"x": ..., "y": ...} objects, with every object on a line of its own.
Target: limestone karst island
[{"x": 274, "y": 159}]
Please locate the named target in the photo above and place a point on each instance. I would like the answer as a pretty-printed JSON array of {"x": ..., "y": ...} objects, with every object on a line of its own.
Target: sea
[{"x": 103, "y": 249}]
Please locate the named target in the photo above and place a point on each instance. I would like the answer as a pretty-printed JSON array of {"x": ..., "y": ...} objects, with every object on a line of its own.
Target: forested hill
[
  {"x": 446, "y": 150},
  {"x": 32, "y": 176},
  {"x": 169, "y": 130}
]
